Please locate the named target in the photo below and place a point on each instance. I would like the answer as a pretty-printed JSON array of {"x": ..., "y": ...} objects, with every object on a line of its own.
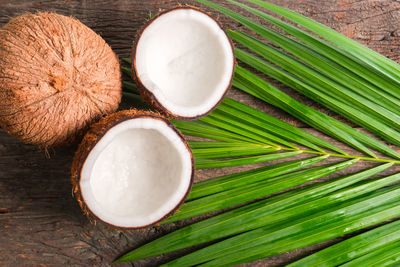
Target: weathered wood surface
[{"x": 41, "y": 223}]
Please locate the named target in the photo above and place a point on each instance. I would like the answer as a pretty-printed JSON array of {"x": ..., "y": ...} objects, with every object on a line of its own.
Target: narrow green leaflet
[
  {"x": 266, "y": 120},
  {"x": 322, "y": 89},
  {"x": 306, "y": 238},
  {"x": 251, "y": 216},
  {"x": 196, "y": 128},
  {"x": 363, "y": 117},
  {"x": 254, "y": 85},
  {"x": 250, "y": 123},
  {"x": 334, "y": 61},
  {"x": 346, "y": 217},
  {"x": 126, "y": 59},
  {"x": 240, "y": 129},
  {"x": 388, "y": 255},
  {"x": 126, "y": 70},
  {"x": 213, "y": 150},
  {"x": 130, "y": 86},
  {"x": 222, "y": 145},
  {"x": 353, "y": 248},
  {"x": 257, "y": 87},
  {"x": 210, "y": 163},
  {"x": 243, "y": 178},
  {"x": 250, "y": 192},
  {"x": 382, "y": 65}
]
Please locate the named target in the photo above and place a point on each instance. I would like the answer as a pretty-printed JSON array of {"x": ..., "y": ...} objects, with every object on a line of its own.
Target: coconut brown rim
[
  {"x": 149, "y": 96},
  {"x": 94, "y": 135},
  {"x": 57, "y": 77}
]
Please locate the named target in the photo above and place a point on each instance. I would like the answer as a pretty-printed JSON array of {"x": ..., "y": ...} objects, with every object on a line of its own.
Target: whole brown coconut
[{"x": 57, "y": 76}]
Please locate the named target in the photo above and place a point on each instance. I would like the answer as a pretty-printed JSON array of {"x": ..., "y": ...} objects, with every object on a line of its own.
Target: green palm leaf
[
  {"x": 330, "y": 59},
  {"x": 388, "y": 255},
  {"x": 269, "y": 123},
  {"x": 353, "y": 249},
  {"x": 240, "y": 179},
  {"x": 344, "y": 76},
  {"x": 372, "y": 60},
  {"x": 215, "y": 150},
  {"x": 290, "y": 205},
  {"x": 321, "y": 88},
  {"x": 251, "y": 191}
]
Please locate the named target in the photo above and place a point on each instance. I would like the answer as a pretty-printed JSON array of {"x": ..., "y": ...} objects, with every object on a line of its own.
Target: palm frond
[
  {"x": 387, "y": 255},
  {"x": 320, "y": 88},
  {"x": 344, "y": 76},
  {"x": 240, "y": 179},
  {"x": 350, "y": 48},
  {"x": 330, "y": 59},
  {"x": 375, "y": 241},
  {"x": 285, "y": 209},
  {"x": 250, "y": 190}
]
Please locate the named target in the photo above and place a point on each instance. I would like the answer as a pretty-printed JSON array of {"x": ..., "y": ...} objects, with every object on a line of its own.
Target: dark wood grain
[{"x": 40, "y": 222}]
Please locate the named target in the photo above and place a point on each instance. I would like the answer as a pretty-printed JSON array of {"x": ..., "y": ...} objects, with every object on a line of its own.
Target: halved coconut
[
  {"x": 183, "y": 63},
  {"x": 132, "y": 169}
]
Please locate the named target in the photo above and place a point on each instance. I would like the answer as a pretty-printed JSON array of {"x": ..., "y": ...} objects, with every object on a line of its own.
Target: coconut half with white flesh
[
  {"x": 132, "y": 170},
  {"x": 183, "y": 62}
]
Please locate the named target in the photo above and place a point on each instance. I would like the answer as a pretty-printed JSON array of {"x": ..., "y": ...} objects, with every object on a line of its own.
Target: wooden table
[{"x": 41, "y": 223}]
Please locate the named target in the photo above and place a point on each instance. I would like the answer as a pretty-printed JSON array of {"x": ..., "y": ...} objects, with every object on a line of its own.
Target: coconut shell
[
  {"x": 148, "y": 96},
  {"x": 57, "y": 76},
  {"x": 93, "y": 136}
]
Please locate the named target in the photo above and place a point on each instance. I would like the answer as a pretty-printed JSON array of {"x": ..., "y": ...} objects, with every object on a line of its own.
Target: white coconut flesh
[
  {"x": 186, "y": 61},
  {"x": 136, "y": 174}
]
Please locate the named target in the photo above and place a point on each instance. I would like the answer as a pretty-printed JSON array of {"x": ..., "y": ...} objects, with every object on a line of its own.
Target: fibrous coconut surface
[{"x": 57, "y": 76}]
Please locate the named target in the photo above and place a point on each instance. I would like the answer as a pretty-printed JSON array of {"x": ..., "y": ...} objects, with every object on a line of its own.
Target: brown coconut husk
[
  {"x": 57, "y": 76},
  {"x": 93, "y": 136},
  {"x": 148, "y": 96}
]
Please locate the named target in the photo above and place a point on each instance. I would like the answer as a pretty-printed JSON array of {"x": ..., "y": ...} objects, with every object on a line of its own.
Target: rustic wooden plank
[{"x": 40, "y": 222}]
